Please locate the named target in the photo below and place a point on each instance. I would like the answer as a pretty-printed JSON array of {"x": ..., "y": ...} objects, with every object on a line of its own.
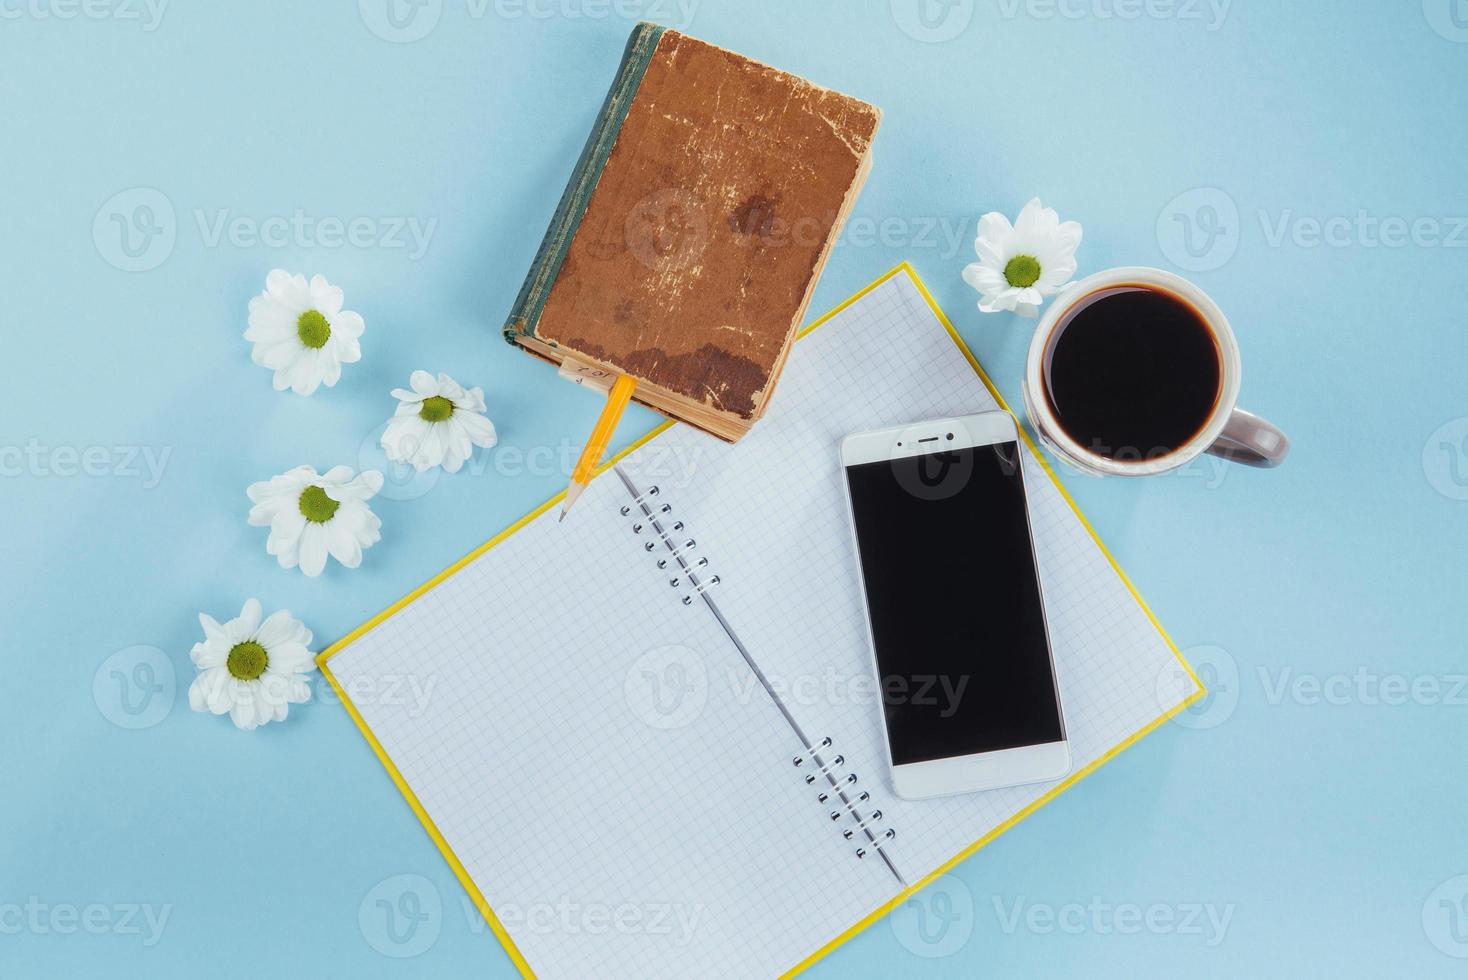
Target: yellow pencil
[{"x": 596, "y": 445}]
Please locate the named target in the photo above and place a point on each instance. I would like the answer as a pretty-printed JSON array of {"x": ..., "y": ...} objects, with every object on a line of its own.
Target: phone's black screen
[{"x": 954, "y": 596}]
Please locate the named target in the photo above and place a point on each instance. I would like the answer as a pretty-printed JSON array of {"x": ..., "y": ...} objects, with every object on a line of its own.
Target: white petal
[
  {"x": 242, "y": 713},
  {"x": 305, "y": 372},
  {"x": 402, "y": 437},
  {"x": 472, "y": 401},
  {"x": 326, "y": 298},
  {"x": 198, "y": 693},
  {"x": 290, "y": 658},
  {"x": 290, "y": 293},
  {"x": 1055, "y": 277},
  {"x": 313, "y": 549},
  {"x": 212, "y": 629},
  {"x": 299, "y": 691},
  {"x": 250, "y": 616},
  {"x": 335, "y": 477},
  {"x": 994, "y": 228},
  {"x": 209, "y": 654},
  {"x": 367, "y": 484},
  {"x": 349, "y": 325},
  {"x": 276, "y": 281},
  {"x": 982, "y": 277},
  {"x": 279, "y": 354},
  {"x": 269, "y": 322},
  {"x": 331, "y": 370},
  {"x": 276, "y": 631},
  {"x": 218, "y": 691},
  {"x": 449, "y": 388},
  {"x": 478, "y": 428},
  {"x": 347, "y": 349},
  {"x": 1031, "y": 217},
  {"x": 285, "y": 534},
  {"x": 456, "y": 446},
  {"x": 433, "y": 449},
  {"x": 344, "y": 546}
]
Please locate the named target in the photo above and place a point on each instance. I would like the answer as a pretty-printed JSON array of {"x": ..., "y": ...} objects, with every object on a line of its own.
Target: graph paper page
[
  {"x": 770, "y": 515},
  {"x": 583, "y": 750}
]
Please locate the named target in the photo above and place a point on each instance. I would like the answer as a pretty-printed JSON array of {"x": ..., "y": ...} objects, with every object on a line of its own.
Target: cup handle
[{"x": 1250, "y": 440}]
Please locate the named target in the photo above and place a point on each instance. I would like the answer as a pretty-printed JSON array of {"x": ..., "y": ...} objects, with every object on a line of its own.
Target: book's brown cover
[{"x": 702, "y": 241}]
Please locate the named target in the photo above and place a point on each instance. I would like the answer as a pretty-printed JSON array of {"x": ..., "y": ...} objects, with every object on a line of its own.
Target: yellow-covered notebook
[{"x": 617, "y": 789}]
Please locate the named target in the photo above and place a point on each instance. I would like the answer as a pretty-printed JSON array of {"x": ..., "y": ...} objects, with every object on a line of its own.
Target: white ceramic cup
[{"x": 1230, "y": 431}]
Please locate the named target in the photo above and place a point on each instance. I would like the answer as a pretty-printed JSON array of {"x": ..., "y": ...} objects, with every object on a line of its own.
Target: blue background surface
[{"x": 1303, "y": 802}]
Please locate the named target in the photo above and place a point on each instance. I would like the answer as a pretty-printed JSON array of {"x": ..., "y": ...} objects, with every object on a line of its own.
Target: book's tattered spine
[{"x": 552, "y": 253}]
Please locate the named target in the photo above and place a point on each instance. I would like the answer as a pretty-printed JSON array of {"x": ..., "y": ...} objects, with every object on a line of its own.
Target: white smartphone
[{"x": 955, "y": 608}]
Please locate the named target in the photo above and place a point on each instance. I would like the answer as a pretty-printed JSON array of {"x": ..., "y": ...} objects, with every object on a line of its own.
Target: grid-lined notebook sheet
[{"x": 693, "y": 760}]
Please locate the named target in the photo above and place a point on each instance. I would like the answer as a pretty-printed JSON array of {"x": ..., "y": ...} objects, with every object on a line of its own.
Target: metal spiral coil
[
  {"x": 689, "y": 570},
  {"x": 835, "y": 787}
]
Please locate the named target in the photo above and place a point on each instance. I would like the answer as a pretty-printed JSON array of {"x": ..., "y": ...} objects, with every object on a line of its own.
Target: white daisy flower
[
  {"x": 311, "y": 516},
  {"x": 250, "y": 669},
  {"x": 438, "y": 422},
  {"x": 1020, "y": 264},
  {"x": 301, "y": 332}
]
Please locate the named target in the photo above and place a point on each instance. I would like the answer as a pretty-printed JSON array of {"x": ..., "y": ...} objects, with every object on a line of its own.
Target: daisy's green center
[
  {"x": 436, "y": 408},
  {"x": 1022, "y": 271},
  {"x": 247, "y": 661},
  {"x": 313, "y": 329},
  {"x": 317, "y": 506}
]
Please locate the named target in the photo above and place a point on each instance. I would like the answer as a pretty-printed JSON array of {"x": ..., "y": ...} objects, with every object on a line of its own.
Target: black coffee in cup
[{"x": 1133, "y": 372}]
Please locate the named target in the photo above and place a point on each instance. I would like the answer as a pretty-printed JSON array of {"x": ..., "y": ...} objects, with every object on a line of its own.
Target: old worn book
[{"x": 694, "y": 228}]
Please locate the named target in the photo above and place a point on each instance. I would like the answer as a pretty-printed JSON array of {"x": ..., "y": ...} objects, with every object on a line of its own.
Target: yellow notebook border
[{"x": 457, "y": 866}]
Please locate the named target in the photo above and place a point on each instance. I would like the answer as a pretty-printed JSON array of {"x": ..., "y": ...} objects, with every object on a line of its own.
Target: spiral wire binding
[
  {"x": 845, "y": 802},
  {"x": 838, "y": 791},
  {"x": 688, "y": 570}
]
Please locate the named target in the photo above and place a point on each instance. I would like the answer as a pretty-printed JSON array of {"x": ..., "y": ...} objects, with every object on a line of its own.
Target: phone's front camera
[{"x": 950, "y": 437}]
